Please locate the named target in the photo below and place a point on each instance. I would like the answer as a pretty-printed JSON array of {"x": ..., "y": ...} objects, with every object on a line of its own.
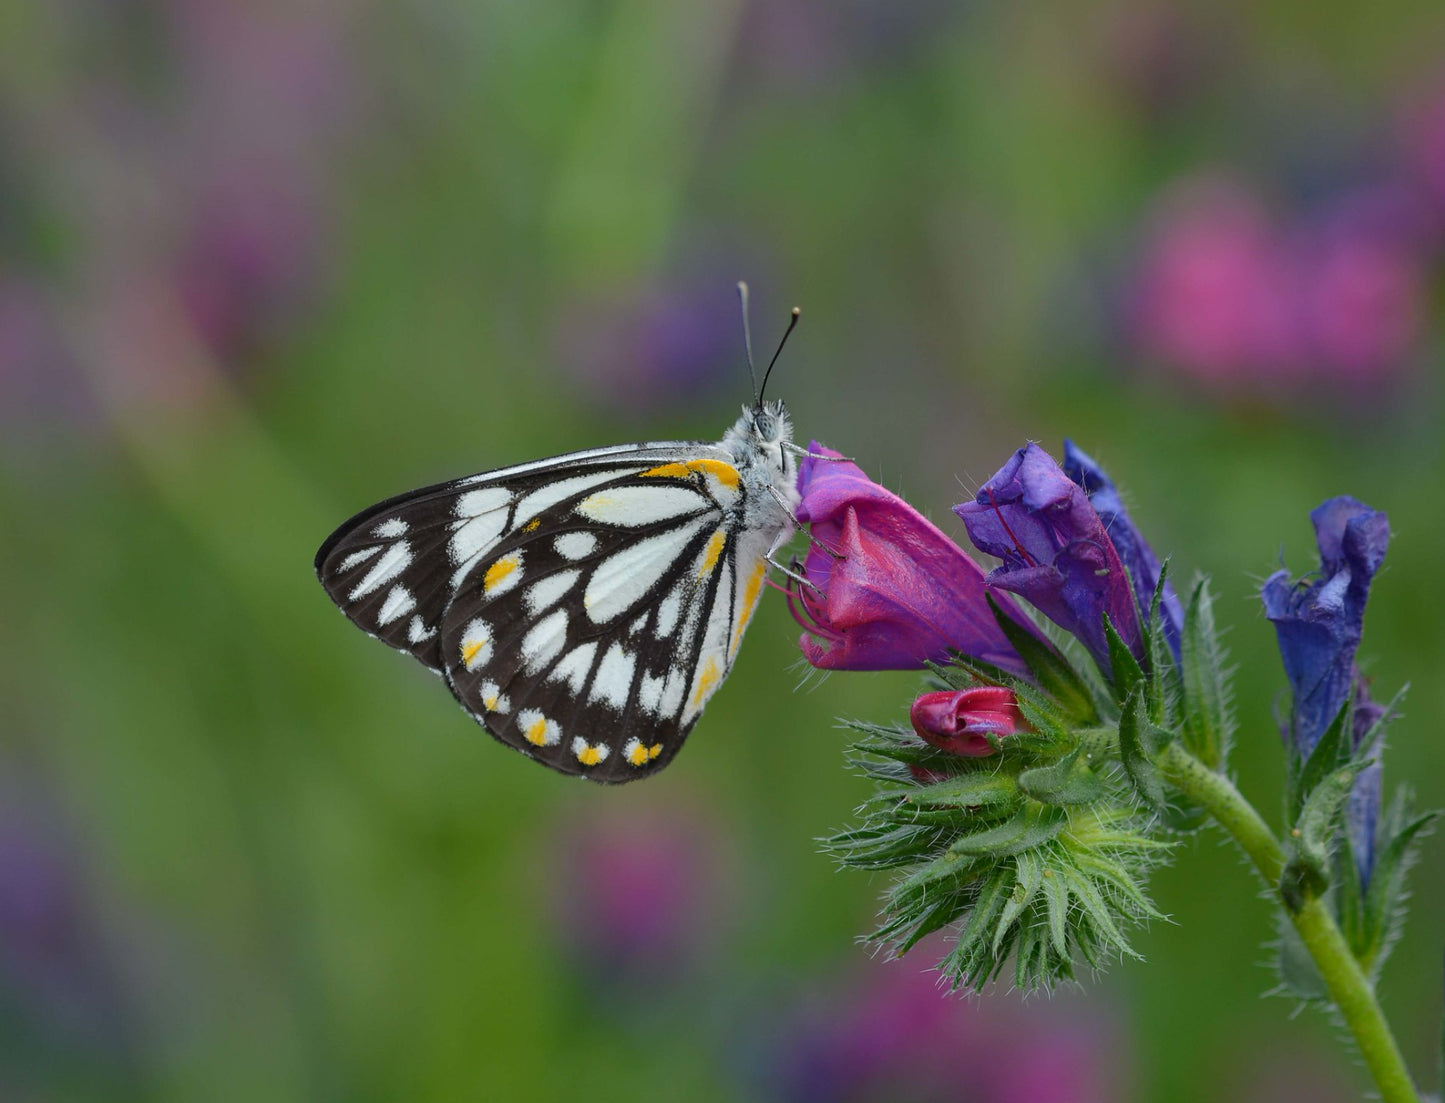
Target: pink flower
[
  {"x": 886, "y": 589},
  {"x": 959, "y": 721}
]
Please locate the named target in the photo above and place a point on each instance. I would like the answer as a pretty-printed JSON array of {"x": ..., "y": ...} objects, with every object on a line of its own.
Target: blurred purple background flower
[
  {"x": 894, "y": 1034},
  {"x": 61, "y": 996},
  {"x": 1238, "y": 298},
  {"x": 641, "y": 895},
  {"x": 1055, "y": 550}
]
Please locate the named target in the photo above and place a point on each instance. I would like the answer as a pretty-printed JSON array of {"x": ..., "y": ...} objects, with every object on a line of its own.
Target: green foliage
[
  {"x": 1208, "y": 717},
  {"x": 1039, "y": 853}
]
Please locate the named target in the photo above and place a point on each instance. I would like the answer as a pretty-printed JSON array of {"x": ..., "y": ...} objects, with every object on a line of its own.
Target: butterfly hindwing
[{"x": 591, "y": 638}]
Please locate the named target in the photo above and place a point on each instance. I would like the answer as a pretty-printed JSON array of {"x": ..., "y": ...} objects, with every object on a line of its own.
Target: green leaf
[
  {"x": 1127, "y": 674},
  {"x": 979, "y": 789},
  {"x": 1050, "y": 669},
  {"x": 1056, "y": 895},
  {"x": 1208, "y": 725},
  {"x": 1030, "y": 874},
  {"x": 1306, "y": 874},
  {"x": 1137, "y": 753},
  {"x": 1384, "y": 912},
  {"x": 1162, "y": 670},
  {"x": 1067, "y": 781},
  {"x": 1033, "y": 825},
  {"x": 1329, "y": 754}
]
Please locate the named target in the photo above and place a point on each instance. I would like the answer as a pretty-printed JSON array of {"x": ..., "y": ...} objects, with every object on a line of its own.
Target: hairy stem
[{"x": 1317, "y": 929}]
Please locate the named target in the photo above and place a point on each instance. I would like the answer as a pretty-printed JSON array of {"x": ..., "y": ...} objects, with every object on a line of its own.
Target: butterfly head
[{"x": 759, "y": 440}]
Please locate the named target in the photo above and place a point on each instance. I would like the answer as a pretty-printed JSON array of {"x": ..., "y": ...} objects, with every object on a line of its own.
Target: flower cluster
[{"x": 1029, "y": 794}]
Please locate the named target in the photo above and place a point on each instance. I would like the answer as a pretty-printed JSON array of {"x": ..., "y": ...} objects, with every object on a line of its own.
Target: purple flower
[
  {"x": 1134, "y": 551},
  {"x": 886, "y": 589},
  {"x": 1319, "y": 622},
  {"x": 893, "y": 1034},
  {"x": 641, "y": 895},
  {"x": 1055, "y": 549},
  {"x": 1362, "y": 813}
]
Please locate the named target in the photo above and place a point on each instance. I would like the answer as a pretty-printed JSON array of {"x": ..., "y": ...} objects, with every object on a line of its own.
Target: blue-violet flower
[
  {"x": 1055, "y": 549},
  {"x": 1134, "y": 551},
  {"x": 1319, "y": 623}
]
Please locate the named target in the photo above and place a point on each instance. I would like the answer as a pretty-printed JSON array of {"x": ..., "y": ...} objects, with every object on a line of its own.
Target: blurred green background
[{"x": 263, "y": 264}]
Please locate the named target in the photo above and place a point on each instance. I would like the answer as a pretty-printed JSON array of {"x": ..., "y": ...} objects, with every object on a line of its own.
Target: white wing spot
[
  {"x": 418, "y": 631},
  {"x": 476, "y": 646},
  {"x": 398, "y": 602},
  {"x": 549, "y": 591},
  {"x": 672, "y": 693},
  {"x": 545, "y": 640},
  {"x": 396, "y": 559},
  {"x": 493, "y": 699},
  {"x": 614, "y": 677},
  {"x": 668, "y": 612},
  {"x": 554, "y": 492},
  {"x": 575, "y": 545},
  {"x": 390, "y": 530},
  {"x": 474, "y": 503},
  {"x": 575, "y": 667},
  {"x": 357, "y": 558},
  {"x": 589, "y": 754},
  {"x": 623, "y": 579},
  {"x": 649, "y": 694},
  {"x": 537, "y": 729},
  {"x": 642, "y": 505}
]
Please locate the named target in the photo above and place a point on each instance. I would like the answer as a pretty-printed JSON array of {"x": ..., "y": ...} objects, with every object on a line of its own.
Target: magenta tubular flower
[
  {"x": 892, "y": 591},
  {"x": 1055, "y": 549},
  {"x": 960, "y": 721}
]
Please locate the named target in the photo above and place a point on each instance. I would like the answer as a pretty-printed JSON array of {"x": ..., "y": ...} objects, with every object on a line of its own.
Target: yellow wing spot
[
  {"x": 751, "y": 593},
  {"x": 589, "y": 754},
  {"x": 724, "y": 473},
  {"x": 653, "y": 751},
  {"x": 537, "y": 733},
  {"x": 637, "y": 753},
  {"x": 470, "y": 649},
  {"x": 489, "y": 702},
  {"x": 533, "y": 525},
  {"x": 707, "y": 681},
  {"x": 668, "y": 471},
  {"x": 710, "y": 555},
  {"x": 498, "y": 572}
]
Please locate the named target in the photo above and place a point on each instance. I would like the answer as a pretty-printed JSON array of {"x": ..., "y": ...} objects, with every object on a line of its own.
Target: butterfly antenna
[
  {"x": 792, "y": 324},
  {"x": 748, "y": 338}
]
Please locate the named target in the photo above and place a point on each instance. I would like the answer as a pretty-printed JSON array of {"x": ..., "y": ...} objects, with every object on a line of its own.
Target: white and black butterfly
[{"x": 584, "y": 608}]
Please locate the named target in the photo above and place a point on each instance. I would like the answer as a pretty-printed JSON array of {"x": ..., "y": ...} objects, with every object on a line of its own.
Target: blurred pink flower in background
[
  {"x": 641, "y": 896},
  {"x": 199, "y": 161},
  {"x": 893, "y": 1033},
  {"x": 1423, "y": 138},
  {"x": 1233, "y": 297}
]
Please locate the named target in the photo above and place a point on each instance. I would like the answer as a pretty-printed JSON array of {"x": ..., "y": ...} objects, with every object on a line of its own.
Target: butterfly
[{"x": 583, "y": 609}]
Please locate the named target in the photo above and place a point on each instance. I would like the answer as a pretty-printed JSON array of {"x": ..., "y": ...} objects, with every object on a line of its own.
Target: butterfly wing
[
  {"x": 582, "y": 609},
  {"x": 393, "y": 568},
  {"x": 592, "y": 641}
]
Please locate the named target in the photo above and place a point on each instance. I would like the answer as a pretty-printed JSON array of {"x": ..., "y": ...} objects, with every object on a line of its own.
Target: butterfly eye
[{"x": 767, "y": 425}]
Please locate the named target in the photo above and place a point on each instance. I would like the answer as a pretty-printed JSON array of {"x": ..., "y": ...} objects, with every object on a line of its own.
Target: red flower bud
[{"x": 958, "y": 720}]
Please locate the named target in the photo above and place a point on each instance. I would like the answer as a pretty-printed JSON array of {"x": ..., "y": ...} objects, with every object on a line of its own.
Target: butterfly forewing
[{"x": 393, "y": 568}]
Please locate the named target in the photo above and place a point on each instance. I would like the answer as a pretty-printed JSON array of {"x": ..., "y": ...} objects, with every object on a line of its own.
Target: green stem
[{"x": 1342, "y": 975}]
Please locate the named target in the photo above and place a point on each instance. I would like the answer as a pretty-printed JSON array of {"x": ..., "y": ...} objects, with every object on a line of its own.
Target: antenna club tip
[{"x": 797, "y": 311}]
